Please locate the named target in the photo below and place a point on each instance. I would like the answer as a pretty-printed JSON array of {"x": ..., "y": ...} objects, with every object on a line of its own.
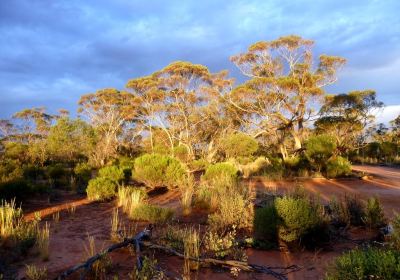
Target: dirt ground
[{"x": 67, "y": 238}]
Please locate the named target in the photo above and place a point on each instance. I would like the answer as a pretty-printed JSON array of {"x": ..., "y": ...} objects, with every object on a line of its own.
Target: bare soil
[{"x": 67, "y": 238}]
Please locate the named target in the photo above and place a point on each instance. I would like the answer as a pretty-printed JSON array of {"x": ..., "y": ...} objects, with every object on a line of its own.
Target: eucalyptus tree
[
  {"x": 346, "y": 116},
  {"x": 284, "y": 83},
  {"x": 110, "y": 112}
]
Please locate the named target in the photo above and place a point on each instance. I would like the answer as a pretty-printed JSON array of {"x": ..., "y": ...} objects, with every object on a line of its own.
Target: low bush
[
  {"x": 234, "y": 209},
  {"x": 298, "y": 217},
  {"x": 55, "y": 172},
  {"x": 198, "y": 164},
  {"x": 395, "y": 236},
  {"x": 223, "y": 169},
  {"x": 370, "y": 263},
  {"x": 33, "y": 172},
  {"x": 151, "y": 213},
  {"x": 276, "y": 170},
  {"x": 338, "y": 167},
  {"x": 101, "y": 189},
  {"x": 156, "y": 170},
  {"x": 112, "y": 173},
  {"x": 374, "y": 215},
  {"x": 126, "y": 164},
  {"x": 319, "y": 149}
]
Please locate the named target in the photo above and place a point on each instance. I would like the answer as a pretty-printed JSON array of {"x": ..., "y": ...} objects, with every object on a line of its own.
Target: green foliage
[
  {"x": 33, "y": 172},
  {"x": 374, "y": 215},
  {"x": 181, "y": 153},
  {"x": 83, "y": 172},
  {"x": 100, "y": 189},
  {"x": 151, "y": 213},
  {"x": 319, "y": 149},
  {"x": 158, "y": 170},
  {"x": 370, "y": 263},
  {"x": 255, "y": 167},
  {"x": 276, "y": 170},
  {"x": 395, "y": 236},
  {"x": 149, "y": 271},
  {"x": 126, "y": 164},
  {"x": 113, "y": 173},
  {"x": 222, "y": 169},
  {"x": 55, "y": 171},
  {"x": 266, "y": 223},
  {"x": 239, "y": 145},
  {"x": 198, "y": 164},
  {"x": 298, "y": 217},
  {"x": 337, "y": 167},
  {"x": 10, "y": 170}
]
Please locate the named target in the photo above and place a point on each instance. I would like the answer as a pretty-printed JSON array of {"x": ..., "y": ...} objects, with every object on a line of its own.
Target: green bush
[
  {"x": 374, "y": 215},
  {"x": 255, "y": 167},
  {"x": 181, "y": 153},
  {"x": 126, "y": 164},
  {"x": 337, "y": 167},
  {"x": 156, "y": 170},
  {"x": 55, "y": 171},
  {"x": 239, "y": 145},
  {"x": 100, "y": 189},
  {"x": 218, "y": 170},
  {"x": 113, "y": 173},
  {"x": 198, "y": 164},
  {"x": 32, "y": 172},
  {"x": 151, "y": 213},
  {"x": 395, "y": 236},
  {"x": 319, "y": 149},
  {"x": 83, "y": 172},
  {"x": 370, "y": 263},
  {"x": 10, "y": 170},
  {"x": 266, "y": 223},
  {"x": 275, "y": 170},
  {"x": 298, "y": 217}
]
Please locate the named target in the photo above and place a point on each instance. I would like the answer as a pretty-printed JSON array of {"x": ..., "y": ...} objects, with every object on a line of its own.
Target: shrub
[
  {"x": 218, "y": 170},
  {"x": 255, "y": 167},
  {"x": 298, "y": 217},
  {"x": 126, "y": 164},
  {"x": 220, "y": 245},
  {"x": 113, "y": 173},
  {"x": 42, "y": 241},
  {"x": 151, "y": 213},
  {"x": 198, "y": 164},
  {"x": 239, "y": 145},
  {"x": 34, "y": 273},
  {"x": 234, "y": 209},
  {"x": 374, "y": 215},
  {"x": 55, "y": 172},
  {"x": 100, "y": 189},
  {"x": 181, "y": 153},
  {"x": 395, "y": 236},
  {"x": 186, "y": 187},
  {"x": 156, "y": 170},
  {"x": 266, "y": 223},
  {"x": 32, "y": 172},
  {"x": 356, "y": 208},
  {"x": 83, "y": 172},
  {"x": 338, "y": 166},
  {"x": 370, "y": 263},
  {"x": 275, "y": 170},
  {"x": 319, "y": 149}
]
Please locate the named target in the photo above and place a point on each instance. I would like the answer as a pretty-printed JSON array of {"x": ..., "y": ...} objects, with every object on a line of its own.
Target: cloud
[
  {"x": 55, "y": 51},
  {"x": 387, "y": 114}
]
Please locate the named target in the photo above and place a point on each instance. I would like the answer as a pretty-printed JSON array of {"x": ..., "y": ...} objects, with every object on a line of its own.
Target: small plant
[
  {"x": 395, "y": 236},
  {"x": 191, "y": 245},
  {"x": 42, "y": 241},
  {"x": 34, "y": 273},
  {"x": 149, "y": 271},
  {"x": 374, "y": 215},
  {"x": 266, "y": 223},
  {"x": 129, "y": 198},
  {"x": 370, "y": 263},
  {"x": 186, "y": 188},
  {"x": 157, "y": 170},
  {"x": 220, "y": 245},
  {"x": 356, "y": 208},
  {"x": 10, "y": 218},
  {"x": 101, "y": 189},
  {"x": 115, "y": 224},
  {"x": 83, "y": 173},
  {"x": 72, "y": 209}
]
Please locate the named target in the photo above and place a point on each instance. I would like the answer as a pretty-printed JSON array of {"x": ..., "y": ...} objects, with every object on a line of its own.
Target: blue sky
[{"x": 52, "y": 52}]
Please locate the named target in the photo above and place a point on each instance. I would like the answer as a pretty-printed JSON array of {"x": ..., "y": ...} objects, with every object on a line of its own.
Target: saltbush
[
  {"x": 370, "y": 263},
  {"x": 218, "y": 170},
  {"x": 100, "y": 189},
  {"x": 113, "y": 173},
  {"x": 83, "y": 172},
  {"x": 298, "y": 217},
  {"x": 319, "y": 149},
  {"x": 156, "y": 170},
  {"x": 337, "y": 167}
]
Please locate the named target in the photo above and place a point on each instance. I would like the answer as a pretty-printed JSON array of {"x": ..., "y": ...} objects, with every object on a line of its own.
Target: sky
[{"x": 52, "y": 52}]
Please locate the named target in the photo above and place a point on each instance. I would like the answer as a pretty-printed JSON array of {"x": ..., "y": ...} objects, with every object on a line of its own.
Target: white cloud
[{"x": 387, "y": 114}]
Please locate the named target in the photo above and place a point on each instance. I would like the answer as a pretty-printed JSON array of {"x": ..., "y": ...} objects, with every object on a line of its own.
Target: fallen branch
[
  {"x": 89, "y": 262},
  {"x": 231, "y": 263}
]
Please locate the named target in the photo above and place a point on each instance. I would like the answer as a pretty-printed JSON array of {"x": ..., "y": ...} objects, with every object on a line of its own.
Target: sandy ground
[{"x": 70, "y": 234}]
